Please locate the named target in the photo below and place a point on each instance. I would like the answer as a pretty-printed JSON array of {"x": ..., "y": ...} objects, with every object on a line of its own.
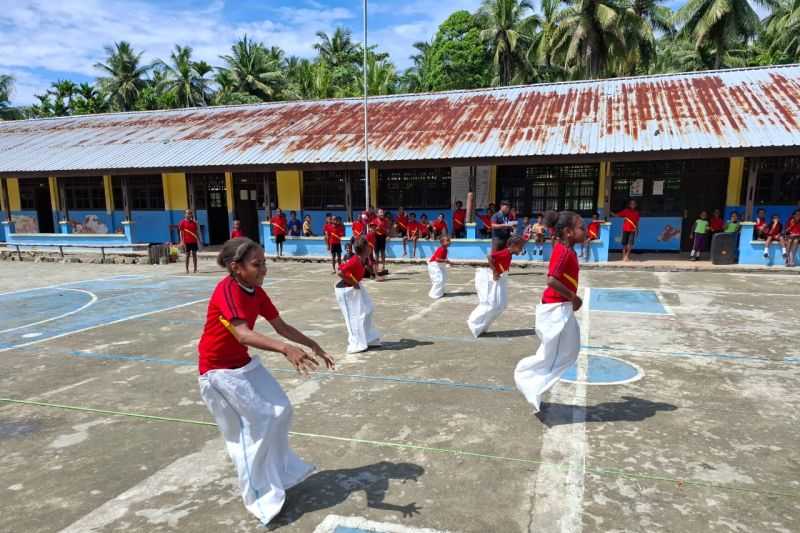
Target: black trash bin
[{"x": 725, "y": 249}]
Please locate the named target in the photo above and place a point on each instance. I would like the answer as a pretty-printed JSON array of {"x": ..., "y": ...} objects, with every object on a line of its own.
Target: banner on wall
[
  {"x": 655, "y": 233},
  {"x": 637, "y": 187},
  {"x": 459, "y": 185},
  {"x": 482, "y": 187}
]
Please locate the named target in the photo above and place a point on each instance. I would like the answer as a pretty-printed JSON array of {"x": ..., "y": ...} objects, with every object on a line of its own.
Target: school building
[{"x": 677, "y": 143}]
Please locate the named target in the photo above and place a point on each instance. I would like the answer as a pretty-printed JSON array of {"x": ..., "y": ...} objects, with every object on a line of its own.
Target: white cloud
[{"x": 68, "y": 36}]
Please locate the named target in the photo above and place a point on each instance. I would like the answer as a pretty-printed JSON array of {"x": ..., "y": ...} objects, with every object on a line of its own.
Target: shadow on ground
[
  {"x": 629, "y": 409},
  {"x": 402, "y": 344},
  {"x": 329, "y": 488},
  {"x": 528, "y": 332},
  {"x": 454, "y": 294}
]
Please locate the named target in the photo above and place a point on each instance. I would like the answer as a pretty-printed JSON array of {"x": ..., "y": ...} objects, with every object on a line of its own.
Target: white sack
[
  {"x": 254, "y": 416},
  {"x": 357, "y": 309},
  {"x": 560, "y": 337},
  {"x": 492, "y": 300},
  {"x": 438, "y": 274}
]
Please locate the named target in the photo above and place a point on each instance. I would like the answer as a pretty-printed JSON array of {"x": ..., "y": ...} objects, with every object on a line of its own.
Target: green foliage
[{"x": 459, "y": 58}]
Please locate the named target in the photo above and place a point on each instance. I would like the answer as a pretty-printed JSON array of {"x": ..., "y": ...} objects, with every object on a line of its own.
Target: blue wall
[
  {"x": 655, "y": 233},
  {"x": 751, "y": 252}
]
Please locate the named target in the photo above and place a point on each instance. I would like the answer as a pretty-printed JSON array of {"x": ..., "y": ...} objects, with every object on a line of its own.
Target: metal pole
[{"x": 366, "y": 130}]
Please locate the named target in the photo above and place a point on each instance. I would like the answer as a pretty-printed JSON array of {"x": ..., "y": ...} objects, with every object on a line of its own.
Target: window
[
  {"x": 207, "y": 186},
  {"x": 325, "y": 189},
  {"x": 145, "y": 192},
  {"x": 778, "y": 181},
  {"x": 416, "y": 188},
  {"x": 550, "y": 187},
  {"x": 84, "y": 193},
  {"x": 27, "y": 192}
]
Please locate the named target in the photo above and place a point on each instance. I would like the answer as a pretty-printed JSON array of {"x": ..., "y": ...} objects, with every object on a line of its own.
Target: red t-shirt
[
  {"x": 459, "y": 219},
  {"x": 594, "y": 230},
  {"x": 189, "y": 231},
  {"x": 358, "y": 229},
  {"x": 402, "y": 222},
  {"x": 371, "y": 238},
  {"x": 717, "y": 224},
  {"x": 773, "y": 230},
  {"x": 424, "y": 229},
  {"x": 335, "y": 232},
  {"x": 630, "y": 220},
  {"x": 760, "y": 224},
  {"x": 278, "y": 225},
  {"x": 353, "y": 269},
  {"x": 218, "y": 347},
  {"x": 439, "y": 255},
  {"x": 380, "y": 225},
  {"x": 486, "y": 220},
  {"x": 564, "y": 267},
  {"x": 793, "y": 227},
  {"x": 501, "y": 260},
  {"x": 439, "y": 226},
  {"x": 235, "y": 234},
  {"x": 413, "y": 229}
]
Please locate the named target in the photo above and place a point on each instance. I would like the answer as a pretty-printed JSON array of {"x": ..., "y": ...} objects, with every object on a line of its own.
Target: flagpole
[{"x": 366, "y": 129}]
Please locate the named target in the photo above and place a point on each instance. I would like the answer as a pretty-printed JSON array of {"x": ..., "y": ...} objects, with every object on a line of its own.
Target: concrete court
[{"x": 705, "y": 440}]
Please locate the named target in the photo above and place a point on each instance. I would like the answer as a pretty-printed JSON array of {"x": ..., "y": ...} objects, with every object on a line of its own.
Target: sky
[{"x": 42, "y": 41}]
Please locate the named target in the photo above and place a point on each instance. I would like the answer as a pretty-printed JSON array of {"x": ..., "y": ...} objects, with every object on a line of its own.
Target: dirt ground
[{"x": 682, "y": 414}]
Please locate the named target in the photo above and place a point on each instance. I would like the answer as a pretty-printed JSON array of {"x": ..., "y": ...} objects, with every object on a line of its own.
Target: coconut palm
[
  {"x": 254, "y": 70},
  {"x": 338, "y": 50},
  {"x": 182, "y": 79},
  {"x": 510, "y": 25},
  {"x": 124, "y": 78},
  {"x": 721, "y": 24},
  {"x": 381, "y": 76},
  {"x": 63, "y": 91},
  {"x": 88, "y": 100},
  {"x": 417, "y": 77},
  {"x": 590, "y": 37},
  {"x": 781, "y": 35},
  {"x": 6, "y": 90}
]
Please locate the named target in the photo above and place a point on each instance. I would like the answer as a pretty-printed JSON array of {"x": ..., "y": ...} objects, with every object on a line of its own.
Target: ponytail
[
  {"x": 560, "y": 220},
  {"x": 235, "y": 251}
]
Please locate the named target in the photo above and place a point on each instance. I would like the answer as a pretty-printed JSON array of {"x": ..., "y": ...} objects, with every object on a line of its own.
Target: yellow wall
[
  {"x": 290, "y": 189},
  {"x": 13, "y": 193},
  {"x": 2, "y": 196},
  {"x": 601, "y": 185},
  {"x": 229, "y": 190},
  {"x": 493, "y": 184},
  {"x": 373, "y": 187},
  {"x": 109, "y": 190},
  {"x": 54, "y": 200},
  {"x": 175, "y": 192},
  {"x": 735, "y": 177}
]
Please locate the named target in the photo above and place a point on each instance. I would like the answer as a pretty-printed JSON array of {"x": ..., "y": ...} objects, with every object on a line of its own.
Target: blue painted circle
[
  {"x": 39, "y": 304},
  {"x": 604, "y": 370}
]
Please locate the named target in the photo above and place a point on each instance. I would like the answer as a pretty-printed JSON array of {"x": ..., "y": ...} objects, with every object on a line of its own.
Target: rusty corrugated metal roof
[{"x": 746, "y": 108}]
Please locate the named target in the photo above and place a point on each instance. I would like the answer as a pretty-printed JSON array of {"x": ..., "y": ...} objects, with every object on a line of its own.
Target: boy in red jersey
[
  {"x": 592, "y": 234},
  {"x": 401, "y": 227},
  {"x": 491, "y": 284},
  {"x": 439, "y": 226},
  {"x": 424, "y": 228},
  {"x": 279, "y": 230},
  {"x": 381, "y": 226},
  {"x": 630, "y": 228},
  {"x": 793, "y": 237},
  {"x": 437, "y": 270},
  {"x": 354, "y": 301},
  {"x": 189, "y": 232},
  {"x": 236, "y": 232},
  {"x": 413, "y": 233},
  {"x": 459, "y": 221},
  {"x": 760, "y": 225},
  {"x": 249, "y": 406},
  {"x": 556, "y": 324},
  {"x": 774, "y": 232},
  {"x": 335, "y": 233}
]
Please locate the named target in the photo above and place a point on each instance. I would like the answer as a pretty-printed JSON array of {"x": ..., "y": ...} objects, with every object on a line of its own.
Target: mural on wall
[
  {"x": 91, "y": 224},
  {"x": 25, "y": 224},
  {"x": 669, "y": 234}
]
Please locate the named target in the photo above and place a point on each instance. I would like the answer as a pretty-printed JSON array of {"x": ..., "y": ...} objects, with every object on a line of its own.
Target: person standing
[
  {"x": 279, "y": 230},
  {"x": 630, "y": 228},
  {"x": 295, "y": 227},
  {"x": 189, "y": 232},
  {"x": 501, "y": 226},
  {"x": 459, "y": 221}
]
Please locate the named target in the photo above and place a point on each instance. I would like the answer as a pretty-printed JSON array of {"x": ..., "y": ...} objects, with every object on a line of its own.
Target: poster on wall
[
  {"x": 482, "y": 187},
  {"x": 459, "y": 185},
  {"x": 637, "y": 187},
  {"x": 658, "y": 188}
]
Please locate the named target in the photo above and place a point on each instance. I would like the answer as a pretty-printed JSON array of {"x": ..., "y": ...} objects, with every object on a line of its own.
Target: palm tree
[
  {"x": 590, "y": 37},
  {"x": 641, "y": 21},
  {"x": 721, "y": 24},
  {"x": 508, "y": 23},
  {"x": 6, "y": 90},
  {"x": 339, "y": 50},
  {"x": 540, "y": 54},
  {"x": 182, "y": 79},
  {"x": 781, "y": 35},
  {"x": 253, "y": 70},
  {"x": 125, "y": 75},
  {"x": 88, "y": 100},
  {"x": 381, "y": 76},
  {"x": 64, "y": 90},
  {"x": 417, "y": 77}
]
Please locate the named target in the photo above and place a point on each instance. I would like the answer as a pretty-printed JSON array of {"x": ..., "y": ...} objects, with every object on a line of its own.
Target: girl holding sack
[
  {"x": 491, "y": 286},
  {"x": 556, "y": 325},
  {"x": 354, "y": 301},
  {"x": 437, "y": 269}
]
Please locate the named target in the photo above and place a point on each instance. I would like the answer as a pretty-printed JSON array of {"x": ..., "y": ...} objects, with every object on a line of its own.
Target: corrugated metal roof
[{"x": 747, "y": 108}]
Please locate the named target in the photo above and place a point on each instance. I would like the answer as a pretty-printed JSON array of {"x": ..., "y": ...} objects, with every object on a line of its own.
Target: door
[
  {"x": 218, "y": 230},
  {"x": 246, "y": 211},
  {"x": 44, "y": 210},
  {"x": 704, "y": 184}
]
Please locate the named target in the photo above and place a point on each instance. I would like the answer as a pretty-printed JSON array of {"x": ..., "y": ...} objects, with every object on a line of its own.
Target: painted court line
[
  {"x": 59, "y": 285},
  {"x": 93, "y": 299},
  {"x": 607, "y": 472},
  {"x": 89, "y": 328}
]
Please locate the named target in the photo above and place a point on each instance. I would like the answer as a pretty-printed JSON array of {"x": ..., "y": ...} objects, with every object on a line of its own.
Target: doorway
[
  {"x": 210, "y": 195},
  {"x": 704, "y": 188},
  {"x": 245, "y": 194},
  {"x": 35, "y": 196}
]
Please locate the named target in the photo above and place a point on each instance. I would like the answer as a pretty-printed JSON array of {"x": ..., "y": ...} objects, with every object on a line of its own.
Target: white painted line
[
  {"x": 62, "y": 389},
  {"x": 558, "y": 495},
  {"x": 332, "y": 522},
  {"x": 93, "y": 299},
  {"x": 132, "y": 317},
  {"x": 58, "y": 285}
]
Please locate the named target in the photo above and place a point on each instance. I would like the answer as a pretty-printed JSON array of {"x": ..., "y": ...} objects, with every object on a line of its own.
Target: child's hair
[
  {"x": 560, "y": 220},
  {"x": 235, "y": 251},
  {"x": 359, "y": 245},
  {"x": 596, "y": 215},
  {"x": 514, "y": 240},
  {"x": 338, "y": 220},
  {"x": 443, "y": 239}
]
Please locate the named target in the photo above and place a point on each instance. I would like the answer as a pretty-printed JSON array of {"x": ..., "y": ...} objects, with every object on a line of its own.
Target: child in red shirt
[
  {"x": 401, "y": 226},
  {"x": 436, "y": 269},
  {"x": 592, "y": 234},
  {"x": 459, "y": 221},
  {"x": 760, "y": 225},
  {"x": 439, "y": 226},
  {"x": 491, "y": 284},
  {"x": 424, "y": 228},
  {"x": 774, "y": 232},
  {"x": 413, "y": 233},
  {"x": 360, "y": 226},
  {"x": 278, "y": 222},
  {"x": 630, "y": 228},
  {"x": 237, "y": 230},
  {"x": 334, "y": 233},
  {"x": 189, "y": 232},
  {"x": 793, "y": 237},
  {"x": 556, "y": 324},
  {"x": 250, "y": 407},
  {"x": 354, "y": 301}
]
